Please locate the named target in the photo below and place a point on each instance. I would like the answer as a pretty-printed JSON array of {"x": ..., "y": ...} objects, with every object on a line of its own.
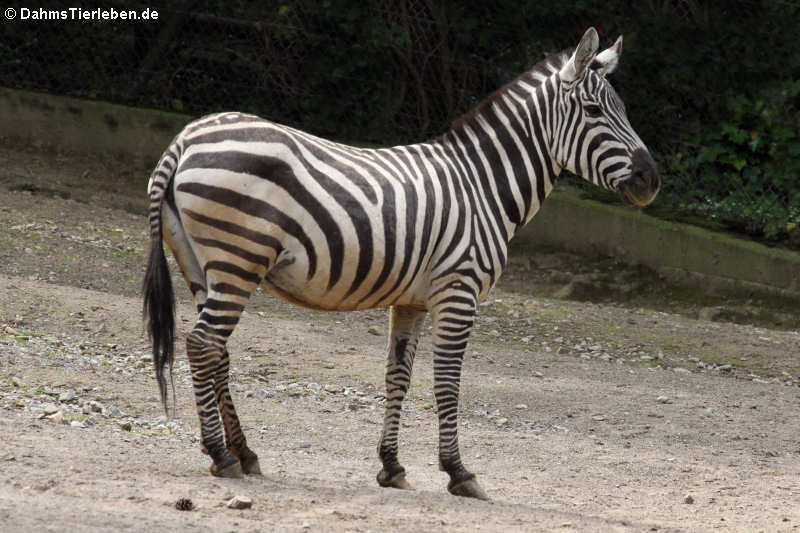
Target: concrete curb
[
  {"x": 683, "y": 253},
  {"x": 135, "y": 135}
]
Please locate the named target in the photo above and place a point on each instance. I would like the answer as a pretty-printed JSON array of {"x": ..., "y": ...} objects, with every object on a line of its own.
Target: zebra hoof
[
  {"x": 232, "y": 470},
  {"x": 468, "y": 489},
  {"x": 397, "y": 481},
  {"x": 249, "y": 462}
]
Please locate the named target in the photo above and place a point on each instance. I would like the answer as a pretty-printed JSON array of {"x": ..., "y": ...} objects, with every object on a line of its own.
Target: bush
[{"x": 744, "y": 171}]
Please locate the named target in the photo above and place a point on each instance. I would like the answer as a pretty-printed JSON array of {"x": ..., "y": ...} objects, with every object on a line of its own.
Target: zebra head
[{"x": 592, "y": 135}]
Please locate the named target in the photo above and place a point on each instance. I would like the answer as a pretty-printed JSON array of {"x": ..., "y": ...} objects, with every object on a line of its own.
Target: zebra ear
[
  {"x": 583, "y": 56},
  {"x": 606, "y": 61}
]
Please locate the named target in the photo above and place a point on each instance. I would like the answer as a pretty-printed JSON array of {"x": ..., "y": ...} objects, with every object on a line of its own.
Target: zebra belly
[{"x": 288, "y": 280}]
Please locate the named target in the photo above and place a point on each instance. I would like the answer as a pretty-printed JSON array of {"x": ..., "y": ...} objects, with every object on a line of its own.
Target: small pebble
[
  {"x": 304, "y": 444},
  {"x": 67, "y": 396},
  {"x": 112, "y": 410},
  {"x": 689, "y": 499},
  {"x": 663, "y": 399},
  {"x": 50, "y": 408},
  {"x": 240, "y": 502}
]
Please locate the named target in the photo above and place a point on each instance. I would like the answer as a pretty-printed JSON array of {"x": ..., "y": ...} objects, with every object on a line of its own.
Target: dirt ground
[{"x": 595, "y": 397}]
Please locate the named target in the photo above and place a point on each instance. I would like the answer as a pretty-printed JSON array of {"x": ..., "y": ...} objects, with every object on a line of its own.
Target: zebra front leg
[
  {"x": 205, "y": 355},
  {"x": 405, "y": 327},
  {"x": 234, "y": 436},
  {"x": 453, "y": 318}
]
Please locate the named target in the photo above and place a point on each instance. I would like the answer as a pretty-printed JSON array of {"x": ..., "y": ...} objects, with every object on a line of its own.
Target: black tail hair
[{"x": 159, "y": 311}]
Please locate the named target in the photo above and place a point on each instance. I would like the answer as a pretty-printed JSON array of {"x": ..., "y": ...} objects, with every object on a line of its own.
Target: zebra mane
[{"x": 533, "y": 77}]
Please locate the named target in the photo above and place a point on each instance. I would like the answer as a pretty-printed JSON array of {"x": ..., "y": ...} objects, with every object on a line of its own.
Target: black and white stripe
[{"x": 420, "y": 229}]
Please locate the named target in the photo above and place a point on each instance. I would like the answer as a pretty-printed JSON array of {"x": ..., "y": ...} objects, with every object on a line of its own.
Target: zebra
[{"x": 422, "y": 229}]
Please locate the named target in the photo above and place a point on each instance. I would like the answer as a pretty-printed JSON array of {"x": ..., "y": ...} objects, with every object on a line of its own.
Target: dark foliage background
[{"x": 713, "y": 87}]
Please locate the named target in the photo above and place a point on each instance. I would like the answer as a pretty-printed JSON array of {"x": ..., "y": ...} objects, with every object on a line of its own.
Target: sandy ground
[{"x": 626, "y": 409}]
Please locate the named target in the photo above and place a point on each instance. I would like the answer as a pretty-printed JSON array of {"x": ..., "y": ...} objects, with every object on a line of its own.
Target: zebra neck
[{"x": 501, "y": 152}]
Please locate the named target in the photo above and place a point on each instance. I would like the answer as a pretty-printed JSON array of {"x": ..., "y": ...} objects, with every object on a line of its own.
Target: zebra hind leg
[
  {"x": 406, "y": 325},
  {"x": 234, "y": 437},
  {"x": 220, "y": 294},
  {"x": 452, "y": 323},
  {"x": 209, "y": 362},
  {"x": 205, "y": 355}
]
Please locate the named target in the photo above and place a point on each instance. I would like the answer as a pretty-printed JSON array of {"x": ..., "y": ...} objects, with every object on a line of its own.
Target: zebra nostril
[{"x": 643, "y": 165}]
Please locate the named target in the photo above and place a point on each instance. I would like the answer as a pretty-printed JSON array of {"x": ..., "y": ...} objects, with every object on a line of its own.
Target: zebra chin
[{"x": 637, "y": 194}]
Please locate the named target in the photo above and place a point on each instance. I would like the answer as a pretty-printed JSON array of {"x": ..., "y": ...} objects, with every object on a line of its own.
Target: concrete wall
[
  {"x": 684, "y": 253},
  {"x": 79, "y": 125}
]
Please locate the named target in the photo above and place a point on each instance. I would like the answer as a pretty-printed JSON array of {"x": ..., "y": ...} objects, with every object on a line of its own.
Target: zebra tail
[{"x": 159, "y": 299}]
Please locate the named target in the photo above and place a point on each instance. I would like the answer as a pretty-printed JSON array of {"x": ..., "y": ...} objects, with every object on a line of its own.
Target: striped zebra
[{"x": 420, "y": 229}]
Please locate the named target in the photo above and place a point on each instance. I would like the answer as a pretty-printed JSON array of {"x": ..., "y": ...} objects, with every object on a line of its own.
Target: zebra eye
[{"x": 593, "y": 110}]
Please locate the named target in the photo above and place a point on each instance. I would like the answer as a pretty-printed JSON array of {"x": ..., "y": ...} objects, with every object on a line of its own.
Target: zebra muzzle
[{"x": 644, "y": 182}]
